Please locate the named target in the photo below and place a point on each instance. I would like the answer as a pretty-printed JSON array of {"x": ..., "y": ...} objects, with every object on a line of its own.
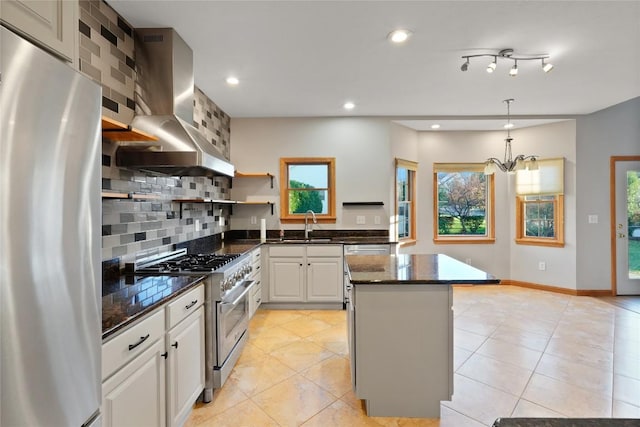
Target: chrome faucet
[{"x": 306, "y": 223}]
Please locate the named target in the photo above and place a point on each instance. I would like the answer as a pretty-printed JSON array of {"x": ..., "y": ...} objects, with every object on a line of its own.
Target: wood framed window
[
  {"x": 307, "y": 183},
  {"x": 406, "y": 201},
  {"x": 463, "y": 204},
  {"x": 540, "y": 204}
]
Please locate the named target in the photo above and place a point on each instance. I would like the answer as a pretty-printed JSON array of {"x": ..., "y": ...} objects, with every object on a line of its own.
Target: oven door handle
[{"x": 228, "y": 306}]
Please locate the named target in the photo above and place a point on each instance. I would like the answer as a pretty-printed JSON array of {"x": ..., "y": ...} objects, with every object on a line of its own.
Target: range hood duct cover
[{"x": 164, "y": 108}]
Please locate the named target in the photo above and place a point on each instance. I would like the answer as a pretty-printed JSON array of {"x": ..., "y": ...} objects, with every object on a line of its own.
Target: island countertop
[{"x": 413, "y": 269}]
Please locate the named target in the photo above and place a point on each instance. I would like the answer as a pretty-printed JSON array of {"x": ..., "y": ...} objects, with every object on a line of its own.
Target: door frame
[{"x": 612, "y": 205}]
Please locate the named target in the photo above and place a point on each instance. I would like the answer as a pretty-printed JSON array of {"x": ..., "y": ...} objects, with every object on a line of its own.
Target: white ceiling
[{"x": 306, "y": 58}]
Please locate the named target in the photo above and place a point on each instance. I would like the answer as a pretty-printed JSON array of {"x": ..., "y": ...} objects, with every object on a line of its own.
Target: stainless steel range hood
[{"x": 164, "y": 108}]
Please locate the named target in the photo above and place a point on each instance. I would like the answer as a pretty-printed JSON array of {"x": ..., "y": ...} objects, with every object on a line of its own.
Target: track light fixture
[
  {"x": 510, "y": 164},
  {"x": 508, "y": 54}
]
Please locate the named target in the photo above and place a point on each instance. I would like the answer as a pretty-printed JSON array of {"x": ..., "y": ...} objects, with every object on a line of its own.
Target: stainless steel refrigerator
[{"x": 50, "y": 296}]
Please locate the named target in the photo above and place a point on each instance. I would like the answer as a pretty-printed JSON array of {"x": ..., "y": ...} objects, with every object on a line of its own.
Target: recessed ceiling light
[
  {"x": 233, "y": 81},
  {"x": 399, "y": 36},
  {"x": 435, "y": 126},
  {"x": 349, "y": 105}
]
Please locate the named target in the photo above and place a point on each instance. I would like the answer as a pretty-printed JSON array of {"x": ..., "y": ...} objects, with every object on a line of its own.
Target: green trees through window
[
  {"x": 462, "y": 199},
  {"x": 463, "y": 206},
  {"x": 308, "y": 184},
  {"x": 304, "y": 200}
]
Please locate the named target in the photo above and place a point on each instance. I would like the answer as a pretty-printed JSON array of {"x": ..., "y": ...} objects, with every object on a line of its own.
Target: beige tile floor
[{"x": 518, "y": 352}]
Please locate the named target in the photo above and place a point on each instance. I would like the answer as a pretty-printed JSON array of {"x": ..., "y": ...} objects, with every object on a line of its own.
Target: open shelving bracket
[
  {"x": 211, "y": 202},
  {"x": 271, "y": 204}
]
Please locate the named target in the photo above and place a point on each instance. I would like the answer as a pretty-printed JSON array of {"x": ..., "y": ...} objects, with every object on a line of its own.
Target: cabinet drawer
[
  {"x": 324, "y": 250},
  {"x": 286, "y": 250},
  {"x": 133, "y": 341},
  {"x": 255, "y": 256},
  {"x": 184, "y": 306}
]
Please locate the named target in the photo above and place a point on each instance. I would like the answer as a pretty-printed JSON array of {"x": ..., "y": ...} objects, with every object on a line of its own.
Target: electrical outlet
[
  {"x": 376, "y": 220},
  {"x": 542, "y": 266},
  {"x": 360, "y": 220},
  {"x": 254, "y": 220}
]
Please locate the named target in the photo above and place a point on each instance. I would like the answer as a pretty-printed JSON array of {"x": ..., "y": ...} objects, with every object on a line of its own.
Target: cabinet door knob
[
  {"x": 165, "y": 354},
  {"x": 175, "y": 344}
]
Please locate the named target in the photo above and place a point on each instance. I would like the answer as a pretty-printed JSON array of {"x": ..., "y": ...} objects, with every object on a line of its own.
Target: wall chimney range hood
[{"x": 164, "y": 108}]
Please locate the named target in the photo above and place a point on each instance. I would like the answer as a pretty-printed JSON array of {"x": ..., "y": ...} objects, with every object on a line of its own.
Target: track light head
[
  {"x": 514, "y": 70},
  {"x": 492, "y": 67},
  {"x": 546, "y": 66},
  {"x": 465, "y": 66}
]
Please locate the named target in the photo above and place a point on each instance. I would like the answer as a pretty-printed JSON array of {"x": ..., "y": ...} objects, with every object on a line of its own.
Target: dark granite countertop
[
  {"x": 128, "y": 297},
  {"x": 340, "y": 236},
  {"x": 314, "y": 241},
  {"x": 566, "y": 422},
  {"x": 414, "y": 269}
]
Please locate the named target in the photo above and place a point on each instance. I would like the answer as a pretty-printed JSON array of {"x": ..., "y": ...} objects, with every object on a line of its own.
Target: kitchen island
[{"x": 400, "y": 323}]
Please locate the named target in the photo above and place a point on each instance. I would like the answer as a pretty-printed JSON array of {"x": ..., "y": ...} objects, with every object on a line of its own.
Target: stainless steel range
[{"x": 226, "y": 304}]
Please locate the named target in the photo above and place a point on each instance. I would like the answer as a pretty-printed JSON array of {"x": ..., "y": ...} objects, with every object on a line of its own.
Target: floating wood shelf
[
  {"x": 134, "y": 196},
  {"x": 362, "y": 203},
  {"x": 115, "y": 131},
  {"x": 114, "y": 195},
  {"x": 255, "y": 175}
]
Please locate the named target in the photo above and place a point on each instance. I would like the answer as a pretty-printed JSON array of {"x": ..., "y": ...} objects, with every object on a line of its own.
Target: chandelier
[
  {"x": 508, "y": 54},
  {"x": 510, "y": 164}
]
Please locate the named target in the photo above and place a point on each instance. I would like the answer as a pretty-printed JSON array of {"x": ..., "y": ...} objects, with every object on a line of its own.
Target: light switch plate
[{"x": 593, "y": 219}]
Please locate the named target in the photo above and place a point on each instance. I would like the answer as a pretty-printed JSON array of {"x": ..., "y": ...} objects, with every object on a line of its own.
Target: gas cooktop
[{"x": 181, "y": 262}]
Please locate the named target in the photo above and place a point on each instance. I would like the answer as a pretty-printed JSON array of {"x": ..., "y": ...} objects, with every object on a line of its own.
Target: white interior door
[{"x": 627, "y": 228}]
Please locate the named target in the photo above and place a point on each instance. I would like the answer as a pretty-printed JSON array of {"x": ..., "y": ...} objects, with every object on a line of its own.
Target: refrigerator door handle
[{"x": 142, "y": 339}]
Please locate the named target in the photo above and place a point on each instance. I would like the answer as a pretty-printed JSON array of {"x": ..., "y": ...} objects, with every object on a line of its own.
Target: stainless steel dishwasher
[{"x": 363, "y": 249}]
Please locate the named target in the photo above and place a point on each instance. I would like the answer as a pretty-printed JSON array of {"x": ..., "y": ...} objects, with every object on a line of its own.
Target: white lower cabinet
[
  {"x": 135, "y": 395},
  {"x": 185, "y": 370},
  {"x": 153, "y": 371},
  {"x": 305, "y": 273},
  {"x": 324, "y": 279},
  {"x": 286, "y": 280},
  {"x": 255, "y": 299}
]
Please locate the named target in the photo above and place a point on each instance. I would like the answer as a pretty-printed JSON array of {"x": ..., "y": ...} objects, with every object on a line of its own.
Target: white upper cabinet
[{"x": 52, "y": 24}]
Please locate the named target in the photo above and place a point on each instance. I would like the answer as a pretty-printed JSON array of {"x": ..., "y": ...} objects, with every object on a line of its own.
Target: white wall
[
  {"x": 614, "y": 131},
  {"x": 548, "y": 141},
  {"x": 365, "y": 147},
  {"x": 504, "y": 258},
  {"x": 443, "y": 147},
  {"x": 364, "y": 165}
]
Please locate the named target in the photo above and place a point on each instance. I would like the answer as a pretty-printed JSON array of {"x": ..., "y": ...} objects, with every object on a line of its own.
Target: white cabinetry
[
  {"x": 135, "y": 394},
  {"x": 52, "y": 24},
  {"x": 324, "y": 273},
  {"x": 305, "y": 273},
  {"x": 185, "y": 345},
  {"x": 256, "y": 275},
  {"x": 153, "y": 371}
]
